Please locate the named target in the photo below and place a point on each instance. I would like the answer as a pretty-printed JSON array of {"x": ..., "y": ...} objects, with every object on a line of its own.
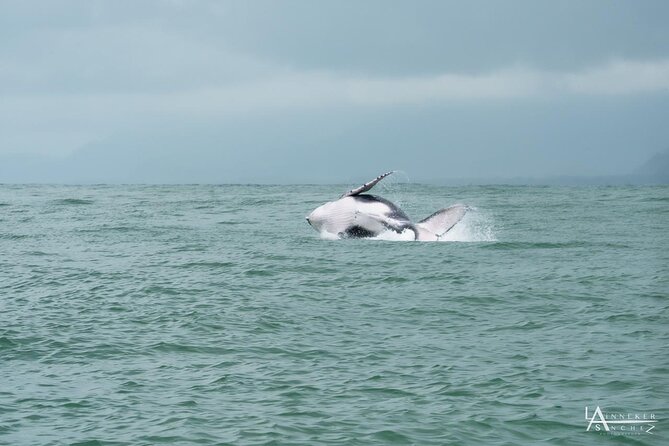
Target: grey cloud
[
  {"x": 380, "y": 37},
  {"x": 427, "y": 37},
  {"x": 466, "y": 88},
  {"x": 118, "y": 59}
]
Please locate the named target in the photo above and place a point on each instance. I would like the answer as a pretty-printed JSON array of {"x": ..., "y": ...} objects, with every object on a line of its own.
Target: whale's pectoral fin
[
  {"x": 440, "y": 222},
  {"x": 367, "y": 186}
]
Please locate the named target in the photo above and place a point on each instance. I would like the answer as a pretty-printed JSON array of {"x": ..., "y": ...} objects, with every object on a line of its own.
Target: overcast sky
[{"x": 308, "y": 91}]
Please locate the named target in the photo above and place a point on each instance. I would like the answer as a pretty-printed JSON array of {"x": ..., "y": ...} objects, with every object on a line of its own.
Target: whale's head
[
  {"x": 332, "y": 217},
  {"x": 318, "y": 219}
]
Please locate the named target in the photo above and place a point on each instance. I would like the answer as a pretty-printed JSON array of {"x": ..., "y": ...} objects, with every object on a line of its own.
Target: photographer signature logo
[{"x": 620, "y": 423}]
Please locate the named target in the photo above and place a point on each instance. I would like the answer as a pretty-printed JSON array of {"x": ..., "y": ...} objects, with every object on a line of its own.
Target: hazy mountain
[{"x": 657, "y": 167}]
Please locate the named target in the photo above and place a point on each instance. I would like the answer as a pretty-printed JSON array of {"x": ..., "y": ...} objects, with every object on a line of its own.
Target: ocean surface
[{"x": 146, "y": 315}]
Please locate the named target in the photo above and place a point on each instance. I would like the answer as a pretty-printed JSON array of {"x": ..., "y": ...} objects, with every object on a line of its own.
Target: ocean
[{"x": 206, "y": 314}]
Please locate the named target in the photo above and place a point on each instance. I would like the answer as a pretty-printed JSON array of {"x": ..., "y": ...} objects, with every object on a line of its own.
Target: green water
[{"x": 146, "y": 315}]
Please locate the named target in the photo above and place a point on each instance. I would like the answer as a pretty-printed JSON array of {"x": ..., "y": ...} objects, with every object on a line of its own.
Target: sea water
[{"x": 207, "y": 314}]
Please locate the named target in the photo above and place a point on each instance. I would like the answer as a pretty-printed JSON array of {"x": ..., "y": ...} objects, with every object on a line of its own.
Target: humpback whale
[{"x": 359, "y": 215}]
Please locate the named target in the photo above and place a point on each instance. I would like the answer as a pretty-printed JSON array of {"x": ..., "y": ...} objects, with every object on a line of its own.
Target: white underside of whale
[{"x": 337, "y": 216}]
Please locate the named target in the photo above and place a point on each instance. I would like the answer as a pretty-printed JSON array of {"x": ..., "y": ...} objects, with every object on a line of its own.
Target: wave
[{"x": 73, "y": 201}]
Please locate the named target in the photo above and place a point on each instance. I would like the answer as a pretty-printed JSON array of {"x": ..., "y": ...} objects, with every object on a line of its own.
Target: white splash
[
  {"x": 406, "y": 235},
  {"x": 474, "y": 227},
  {"x": 325, "y": 235}
]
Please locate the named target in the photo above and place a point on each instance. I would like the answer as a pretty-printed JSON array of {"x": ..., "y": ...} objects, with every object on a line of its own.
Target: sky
[{"x": 187, "y": 91}]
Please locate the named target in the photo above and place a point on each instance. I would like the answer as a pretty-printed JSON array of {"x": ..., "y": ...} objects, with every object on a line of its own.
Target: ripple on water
[{"x": 73, "y": 201}]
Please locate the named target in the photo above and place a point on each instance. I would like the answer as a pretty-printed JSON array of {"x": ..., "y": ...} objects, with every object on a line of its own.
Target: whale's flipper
[
  {"x": 440, "y": 222},
  {"x": 367, "y": 186}
]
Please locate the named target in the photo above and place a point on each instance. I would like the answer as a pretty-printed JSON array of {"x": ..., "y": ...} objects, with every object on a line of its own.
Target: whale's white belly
[{"x": 349, "y": 214}]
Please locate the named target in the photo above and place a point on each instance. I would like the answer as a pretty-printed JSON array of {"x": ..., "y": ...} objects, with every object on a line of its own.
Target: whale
[{"x": 359, "y": 215}]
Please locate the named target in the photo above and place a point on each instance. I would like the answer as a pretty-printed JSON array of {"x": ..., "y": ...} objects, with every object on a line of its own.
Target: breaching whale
[{"x": 359, "y": 215}]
